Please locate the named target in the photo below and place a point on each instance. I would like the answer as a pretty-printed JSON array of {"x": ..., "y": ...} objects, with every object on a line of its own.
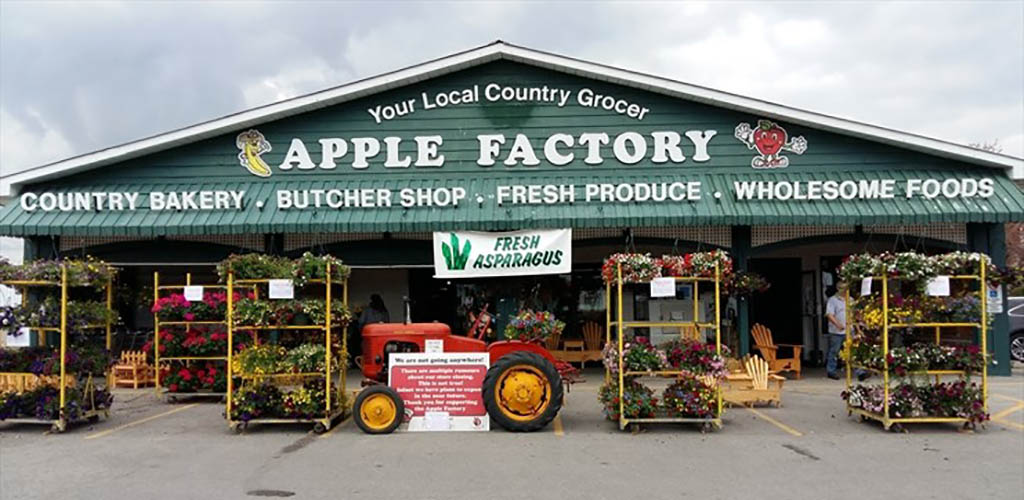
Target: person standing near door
[{"x": 835, "y": 313}]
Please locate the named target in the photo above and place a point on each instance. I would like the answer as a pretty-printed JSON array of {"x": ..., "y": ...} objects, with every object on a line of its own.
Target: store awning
[{"x": 1005, "y": 204}]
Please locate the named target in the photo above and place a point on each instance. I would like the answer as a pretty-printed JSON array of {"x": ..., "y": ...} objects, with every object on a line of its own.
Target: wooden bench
[
  {"x": 22, "y": 381},
  {"x": 578, "y": 351}
]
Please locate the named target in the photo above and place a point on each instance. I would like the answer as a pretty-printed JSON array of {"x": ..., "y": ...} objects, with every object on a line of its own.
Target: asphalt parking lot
[{"x": 808, "y": 448}]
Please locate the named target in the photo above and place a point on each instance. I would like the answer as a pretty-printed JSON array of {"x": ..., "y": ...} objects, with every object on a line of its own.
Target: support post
[
  {"x": 990, "y": 238},
  {"x": 741, "y": 244}
]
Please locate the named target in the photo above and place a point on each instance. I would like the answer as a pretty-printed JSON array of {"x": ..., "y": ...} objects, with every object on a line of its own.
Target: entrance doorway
[{"x": 781, "y": 308}]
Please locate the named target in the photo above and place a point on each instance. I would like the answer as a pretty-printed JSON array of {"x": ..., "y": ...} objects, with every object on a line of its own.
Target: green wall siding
[{"x": 213, "y": 164}]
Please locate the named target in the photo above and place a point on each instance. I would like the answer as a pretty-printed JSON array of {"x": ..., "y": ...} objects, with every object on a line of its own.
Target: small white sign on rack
[
  {"x": 865, "y": 287},
  {"x": 938, "y": 286},
  {"x": 281, "y": 289},
  {"x": 21, "y": 339},
  {"x": 194, "y": 293},
  {"x": 995, "y": 299},
  {"x": 663, "y": 287}
]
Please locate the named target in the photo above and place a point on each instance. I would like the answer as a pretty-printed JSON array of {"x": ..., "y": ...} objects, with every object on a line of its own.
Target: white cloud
[{"x": 23, "y": 146}]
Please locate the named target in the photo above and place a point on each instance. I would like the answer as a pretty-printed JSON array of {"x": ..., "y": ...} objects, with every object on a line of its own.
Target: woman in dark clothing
[{"x": 376, "y": 312}]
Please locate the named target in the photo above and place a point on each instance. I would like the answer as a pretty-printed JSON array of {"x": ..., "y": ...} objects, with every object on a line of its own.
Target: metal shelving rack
[
  {"x": 885, "y": 418},
  {"x": 89, "y": 389},
  {"x": 157, "y": 358},
  {"x": 321, "y": 424},
  {"x": 621, "y": 325}
]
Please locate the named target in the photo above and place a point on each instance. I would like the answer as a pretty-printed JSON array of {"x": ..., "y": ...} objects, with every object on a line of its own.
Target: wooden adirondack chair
[
  {"x": 755, "y": 386},
  {"x": 593, "y": 336},
  {"x": 770, "y": 350},
  {"x": 133, "y": 369}
]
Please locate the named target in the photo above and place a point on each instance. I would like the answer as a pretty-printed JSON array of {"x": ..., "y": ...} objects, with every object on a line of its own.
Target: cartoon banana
[{"x": 253, "y": 144}]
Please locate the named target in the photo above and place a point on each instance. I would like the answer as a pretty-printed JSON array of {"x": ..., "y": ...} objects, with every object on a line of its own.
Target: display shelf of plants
[
  {"x": 695, "y": 367},
  {"x": 64, "y": 378},
  {"x": 907, "y": 322},
  {"x": 286, "y": 356},
  {"x": 190, "y": 340}
]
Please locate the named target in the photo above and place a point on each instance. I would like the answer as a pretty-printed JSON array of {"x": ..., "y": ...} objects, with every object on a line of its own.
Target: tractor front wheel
[
  {"x": 522, "y": 392},
  {"x": 378, "y": 410}
]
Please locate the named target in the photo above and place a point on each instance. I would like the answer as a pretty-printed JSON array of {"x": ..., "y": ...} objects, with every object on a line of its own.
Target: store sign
[
  {"x": 441, "y": 391},
  {"x": 470, "y": 254},
  {"x": 518, "y": 150}
]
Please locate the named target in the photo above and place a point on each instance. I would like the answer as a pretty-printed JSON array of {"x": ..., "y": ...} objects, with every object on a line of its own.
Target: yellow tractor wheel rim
[
  {"x": 378, "y": 411},
  {"x": 524, "y": 393}
]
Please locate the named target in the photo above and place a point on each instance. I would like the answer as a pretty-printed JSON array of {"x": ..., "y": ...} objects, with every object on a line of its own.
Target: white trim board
[{"x": 481, "y": 55}]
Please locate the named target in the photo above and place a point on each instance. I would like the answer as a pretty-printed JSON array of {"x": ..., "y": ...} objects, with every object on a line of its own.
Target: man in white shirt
[{"x": 836, "y": 314}]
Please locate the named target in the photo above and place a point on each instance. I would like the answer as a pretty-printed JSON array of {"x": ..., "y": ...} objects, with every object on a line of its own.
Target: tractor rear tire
[
  {"x": 533, "y": 402},
  {"x": 378, "y": 409}
]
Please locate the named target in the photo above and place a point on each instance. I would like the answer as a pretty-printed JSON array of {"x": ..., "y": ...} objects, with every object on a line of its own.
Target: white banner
[{"x": 469, "y": 254}]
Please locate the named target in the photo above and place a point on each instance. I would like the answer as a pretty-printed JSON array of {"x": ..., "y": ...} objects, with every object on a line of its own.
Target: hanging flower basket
[{"x": 636, "y": 268}]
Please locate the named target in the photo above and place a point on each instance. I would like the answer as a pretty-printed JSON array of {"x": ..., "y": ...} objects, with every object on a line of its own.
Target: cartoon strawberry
[{"x": 769, "y": 139}]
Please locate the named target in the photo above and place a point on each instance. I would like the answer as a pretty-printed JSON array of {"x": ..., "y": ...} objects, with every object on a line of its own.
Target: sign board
[
  {"x": 194, "y": 293},
  {"x": 865, "y": 287},
  {"x": 995, "y": 299},
  {"x": 22, "y": 339},
  {"x": 281, "y": 289},
  {"x": 434, "y": 345},
  {"x": 938, "y": 286},
  {"x": 663, "y": 287},
  {"x": 441, "y": 391},
  {"x": 470, "y": 254}
]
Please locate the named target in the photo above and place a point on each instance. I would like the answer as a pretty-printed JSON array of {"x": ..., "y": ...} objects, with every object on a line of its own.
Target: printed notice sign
[
  {"x": 663, "y": 287},
  {"x": 281, "y": 289},
  {"x": 865, "y": 287},
  {"x": 995, "y": 299},
  {"x": 441, "y": 391},
  {"x": 194, "y": 293},
  {"x": 19, "y": 340},
  {"x": 938, "y": 286}
]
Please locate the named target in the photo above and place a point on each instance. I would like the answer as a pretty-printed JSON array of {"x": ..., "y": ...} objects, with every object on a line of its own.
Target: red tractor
[{"x": 522, "y": 390}]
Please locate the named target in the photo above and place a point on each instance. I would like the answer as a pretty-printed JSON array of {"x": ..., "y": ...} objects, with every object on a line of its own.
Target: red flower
[{"x": 173, "y": 387}]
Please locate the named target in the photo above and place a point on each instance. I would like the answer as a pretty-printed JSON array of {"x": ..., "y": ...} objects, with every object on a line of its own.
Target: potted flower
[
  {"x": 530, "y": 326},
  {"x": 638, "y": 401},
  {"x": 689, "y": 397}
]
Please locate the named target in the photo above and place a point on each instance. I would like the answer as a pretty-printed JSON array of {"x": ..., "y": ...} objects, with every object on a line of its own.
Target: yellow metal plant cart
[
  {"x": 336, "y": 404},
  {"x": 159, "y": 361},
  {"x": 895, "y": 423},
  {"x": 86, "y": 409},
  {"x": 620, "y": 325}
]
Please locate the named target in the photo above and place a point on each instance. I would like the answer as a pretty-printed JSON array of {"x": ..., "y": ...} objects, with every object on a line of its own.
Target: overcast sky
[
  {"x": 79, "y": 76},
  {"x": 76, "y": 77}
]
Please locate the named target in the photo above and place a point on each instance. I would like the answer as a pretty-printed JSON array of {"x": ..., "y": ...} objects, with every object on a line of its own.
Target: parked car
[{"x": 1016, "y": 314}]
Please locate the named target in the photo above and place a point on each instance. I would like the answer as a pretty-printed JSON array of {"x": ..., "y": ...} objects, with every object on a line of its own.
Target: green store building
[{"x": 503, "y": 138}]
